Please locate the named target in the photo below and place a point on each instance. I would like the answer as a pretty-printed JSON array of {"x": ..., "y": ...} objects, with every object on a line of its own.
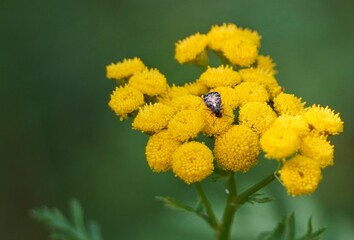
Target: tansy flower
[
  {"x": 296, "y": 123},
  {"x": 159, "y": 150},
  {"x": 317, "y": 148},
  {"x": 124, "y": 69},
  {"x": 150, "y": 82},
  {"x": 256, "y": 115},
  {"x": 288, "y": 104},
  {"x": 251, "y": 92},
  {"x": 300, "y": 175},
  {"x": 196, "y": 88},
  {"x": 246, "y": 34},
  {"x": 191, "y": 48},
  {"x": 192, "y": 162},
  {"x": 266, "y": 63},
  {"x": 172, "y": 92},
  {"x": 228, "y": 95},
  {"x": 214, "y": 125},
  {"x": 186, "y": 124},
  {"x": 323, "y": 120},
  {"x": 237, "y": 149},
  {"x": 262, "y": 77},
  {"x": 240, "y": 53},
  {"x": 153, "y": 117},
  {"x": 125, "y": 100},
  {"x": 218, "y": 35},
  {"x": 189, "y": 102},
  {"x": 279, "y": 143},
  {"x": 219, "y": 77}
]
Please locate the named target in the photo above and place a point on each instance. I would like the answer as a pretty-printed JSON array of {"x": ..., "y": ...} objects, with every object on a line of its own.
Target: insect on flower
[{"x": 213, "y": 101}]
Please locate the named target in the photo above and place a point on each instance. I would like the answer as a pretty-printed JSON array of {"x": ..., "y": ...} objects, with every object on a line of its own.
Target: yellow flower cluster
[{"x": 268, "y": 120}]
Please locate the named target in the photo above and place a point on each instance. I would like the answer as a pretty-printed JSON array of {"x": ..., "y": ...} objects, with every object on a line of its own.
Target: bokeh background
[{"x": 59, "y": 139}]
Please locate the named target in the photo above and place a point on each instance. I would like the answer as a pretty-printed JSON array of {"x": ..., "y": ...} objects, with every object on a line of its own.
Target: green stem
[
  {"x": 243, "y": 197},
  {"x": 212, "y": 219},
  {"x": 230, "y": 209}
]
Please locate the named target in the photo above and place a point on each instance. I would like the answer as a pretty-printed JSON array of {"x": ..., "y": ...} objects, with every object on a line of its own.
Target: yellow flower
[
  {"x": 323, "y": 120},
  {"x": 228, "y": 96},
  {"x": 196, "y": 88},
  {"x": 171, "y": 93},
  {"x": 186, "y": 124},
  {"x": 190, "y": 48},
  {"x": 296, "y": 123},
  {"x": 150, "y": 82},
  {"x": 251, "y": 92},
  {"x": 189, "y": 102},
  {"x": 218, "y": 35},
  {"x": 266, "y": 63},
  {"x": 159, "y": 150},
  {"x": 246, "y": 34},
  {"x": 279, "y": 143},
  {"x": 214, "y": 125},
  {"x": 125, "y": 100},
  {"x": 240, "y": 53},
  {"x": 300, "y": 175},
  {"x": 262, "y": 77},
  {"x": 288, "y": 104},
  {"x": 124, "y": 69},
  {"x": 256, "y": 115},
  {"x": 153, "y": 117},
  {"x": 317, "y": 148},
  {"x": 237, "y": 149},
  {"x": 221, "y": 76},
  {"x": 192, "y": 162}
]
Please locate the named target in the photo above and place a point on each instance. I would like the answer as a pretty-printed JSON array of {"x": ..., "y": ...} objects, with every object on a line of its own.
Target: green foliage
[
  {"x": 258, "y": 198},
  {"x": 64, "y": 229},
  {"x": 285, "y": 230}
]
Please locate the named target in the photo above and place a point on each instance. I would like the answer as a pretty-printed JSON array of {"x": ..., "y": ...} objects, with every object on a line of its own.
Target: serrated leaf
[{"x": 312, "y": 235}]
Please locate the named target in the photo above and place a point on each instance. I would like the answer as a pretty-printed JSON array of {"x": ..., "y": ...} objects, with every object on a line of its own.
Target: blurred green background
[{"x": 60, "y": 140}]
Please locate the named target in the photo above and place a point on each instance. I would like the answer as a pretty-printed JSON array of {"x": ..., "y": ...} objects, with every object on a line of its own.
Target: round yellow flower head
[
  {"x": 228, "y": 95},
  {"x": 172, "y": 93},
  {"x": 221, "y": 76},
  {"x": 237, "y": 149},
  {"x": 296, "y": 123},
  {"x": 186, "y": 124},
  {"x": 218, "y": 35},
  {"x": 288, "y": 104},
  {"x": 150, "y": 82},
  {"x": 262, "y": 77},
  {"x": 159, "y": 150},
  {"x": 125, "y": 100},
  {"x": 214, "y": 125},
  {"x": 189, "y": 102},
  {"x": 279, "y": 143},
  {"x": 196, "y": 88},
  {"x": 124, "y": 69},
  {"x": 240, "y": 53},
  {"x": 190, "y": 48},
  {"x": 192, "y": 162},
  {"x": 153, "y": 117},
  {"x": 323, "y": 120},
  {"x": 318, "y": 148},
  {"x": 257, "y": 115},
  {"x": 251, "y": 92},
  {"x": 300, "y": 175},
  {"x": 266, "y": 63},
  {"x": 246, "y": 34}
]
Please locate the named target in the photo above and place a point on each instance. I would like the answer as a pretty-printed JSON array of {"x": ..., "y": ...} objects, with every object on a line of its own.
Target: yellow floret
[
  {"x": 192, "y": 162},
  {"x": 221, "y": 76},
  {"x": 153, "y": 117},
  {"x": 257, "y": 115},
  {"x": 240, "y": 53},
  {"x": 228, "y": 95},
  {"x": 189, "y": 102},
  {"x": 172, "y": 93},
  {"x": 279, "y": 143},
  {"x": 124, "y": 69},
  {"x": 318, "y": 148},
  {"x": 251, "y": 92},
  {"x": 186, "y": 124},
  {"x": 237, "y": 149},
  {"x": 323, "y": 120},
  {"x": 266, "y": 63},
  {"x": 288, "y": 104},
  {"x": 191, "y": 48},
  {"x": 214, "y": 125},
  {"x": 300, "y": 175},
  {"x": 196, "y": 88},
  {"x": 296, "y": 123},
  {"x": 159, "y": 150},
  {"x": 218, "y": 35},
  {"x": 125, "y": 100},
  {"x": 150, "y": 82}
]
